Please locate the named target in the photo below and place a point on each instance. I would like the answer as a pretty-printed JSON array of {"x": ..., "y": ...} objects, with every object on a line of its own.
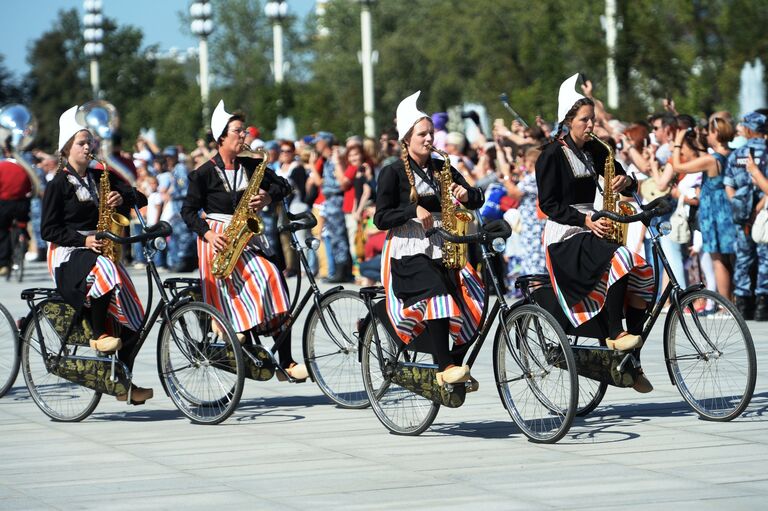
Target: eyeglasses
[{"x": 238, "y": 131}]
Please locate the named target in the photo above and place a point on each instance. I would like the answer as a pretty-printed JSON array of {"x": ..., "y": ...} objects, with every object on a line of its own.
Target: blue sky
[{"x": 25, "y": 20}]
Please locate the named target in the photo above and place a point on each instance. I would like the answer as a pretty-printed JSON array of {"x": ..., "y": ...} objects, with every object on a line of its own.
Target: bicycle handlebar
[
  {"x": 657, "y": 207},
  {"x": 298, "y": 222},
  {"x": 485, "y": 236},
  {"x": 159, "y": 230}
]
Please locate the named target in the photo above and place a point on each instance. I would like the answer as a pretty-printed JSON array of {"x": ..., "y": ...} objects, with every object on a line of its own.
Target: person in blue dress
[{"x": 715, "y": 220}]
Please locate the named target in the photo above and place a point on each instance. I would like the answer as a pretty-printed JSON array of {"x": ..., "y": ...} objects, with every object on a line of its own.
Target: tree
[{"x": 10, "y": 91}]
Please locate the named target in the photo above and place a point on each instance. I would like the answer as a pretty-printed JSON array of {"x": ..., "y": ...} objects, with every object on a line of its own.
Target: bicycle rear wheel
[
  {"x": 9, "y": 351},
  {"x": 58, "y": 398},
  {"x": 591, "y": 392},
  {"x": 333, "y": 355},
  {"x": 400, "y": 410},
  {"x": 536, "y": 373},
  {"x": 202, "y": 370},
  {"x": 715, "y": 370}
]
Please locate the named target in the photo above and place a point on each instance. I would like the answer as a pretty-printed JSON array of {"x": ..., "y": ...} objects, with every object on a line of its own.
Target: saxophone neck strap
[
  {"x": 86, "y": 182},
  {"x": 584, "y": 156},
  {"x": 231, "y": 188},
  {"x": 429, "y": 179}
]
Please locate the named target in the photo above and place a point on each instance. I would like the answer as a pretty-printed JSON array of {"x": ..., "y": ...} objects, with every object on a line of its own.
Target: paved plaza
[{"x": 287, "y": 447}]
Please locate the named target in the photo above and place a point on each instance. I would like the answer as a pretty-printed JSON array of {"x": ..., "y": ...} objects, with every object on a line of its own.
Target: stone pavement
[{"x": 287, "y": 447}]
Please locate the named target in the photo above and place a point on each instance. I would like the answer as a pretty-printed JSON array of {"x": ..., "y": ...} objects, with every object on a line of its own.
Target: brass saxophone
[
  {"x": 245, "y": 223},
  {"x": 455, "y": 219},
  {"x": 618, "y": 231},
  {"x": 109, "y": 219}
]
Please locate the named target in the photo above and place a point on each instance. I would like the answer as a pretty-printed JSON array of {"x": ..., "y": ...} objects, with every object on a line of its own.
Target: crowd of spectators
[{"x": 714, "y": 168}]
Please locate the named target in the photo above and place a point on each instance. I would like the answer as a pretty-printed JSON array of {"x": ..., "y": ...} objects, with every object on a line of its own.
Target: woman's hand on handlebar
[
  {"x": 425, "y": 217},
  {"x": 218, "y": 240},
  {"x": 599, "y": 227},
  {"x": 91, "y": 243}
]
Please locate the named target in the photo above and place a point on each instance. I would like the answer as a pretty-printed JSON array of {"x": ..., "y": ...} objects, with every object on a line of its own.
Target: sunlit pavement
[{"x": 287, "y": 447}]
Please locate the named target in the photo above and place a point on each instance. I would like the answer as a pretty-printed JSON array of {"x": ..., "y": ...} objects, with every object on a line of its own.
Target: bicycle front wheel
[
  {"x": 58, "y": 398},
  {"x": 715, "y": 369},
  {"x": 536, "y": 373},
  {"x": 9, "y": 351},
  {"x": 333, "y": 353},
  {"x": 202, "y": 368},
  {"x": 401, "y": 411}
]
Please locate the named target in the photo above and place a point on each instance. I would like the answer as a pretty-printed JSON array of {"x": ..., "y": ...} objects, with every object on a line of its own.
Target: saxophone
[
  {"x": 109, "y": 219},
  {"x": 455, "y": 218},
  {"x": 244, "y": 224},
  {"x": 618, "y": 230}
]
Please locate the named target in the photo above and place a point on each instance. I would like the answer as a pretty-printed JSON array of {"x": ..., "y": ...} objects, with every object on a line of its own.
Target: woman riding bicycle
[
  {"x": 84, "y": 277},
  {"x": 255, "y": 295},
  {"x": 588, "y": 272},
  {"x": 421, "y": 292}
]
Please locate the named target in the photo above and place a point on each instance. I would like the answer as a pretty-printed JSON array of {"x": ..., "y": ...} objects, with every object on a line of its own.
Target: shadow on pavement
[{"x": 476, "y": 429}]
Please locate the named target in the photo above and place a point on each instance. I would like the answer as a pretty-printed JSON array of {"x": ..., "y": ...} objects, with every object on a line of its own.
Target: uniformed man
[
  {"x": 181, "y": 246},
  {"x": 744, "y": 196}
]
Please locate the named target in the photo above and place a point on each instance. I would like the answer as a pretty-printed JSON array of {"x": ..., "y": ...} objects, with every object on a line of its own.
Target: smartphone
[
  {"x": 752, "y": 152},
  {"x": 584, "y": 78}
]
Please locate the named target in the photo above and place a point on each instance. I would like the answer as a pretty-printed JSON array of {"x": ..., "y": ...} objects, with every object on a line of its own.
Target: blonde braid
[{"x": 414, "y": 196}]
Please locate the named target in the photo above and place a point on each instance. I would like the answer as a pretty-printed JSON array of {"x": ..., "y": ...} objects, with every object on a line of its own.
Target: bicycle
[
  {"x": 9, "y": 351},
  {"x": 19, "y": 245},
  {"x": 200, "y": 362},
  {"x": 330, "y": 339},
  {"x": 534, "y": 368},
  {"x": 710, "y": 358}
]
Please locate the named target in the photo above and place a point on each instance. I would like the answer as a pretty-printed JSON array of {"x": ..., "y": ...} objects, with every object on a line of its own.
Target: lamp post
[
  {"x": 610, "y": 43},
  {"x": 93, "y": 35},
  {"x": 202, "y": 27},
  {"x": 276, "y": 11},
  {"x": 366, "y": 59}
]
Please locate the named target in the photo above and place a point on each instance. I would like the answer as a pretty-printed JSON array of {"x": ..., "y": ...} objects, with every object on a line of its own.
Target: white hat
[
  {"x": 567, "y": 97},
  {"x": 219, "y": 120},
  {"x": 408, "y": 114},
  {"x": 68, "y": 126}
]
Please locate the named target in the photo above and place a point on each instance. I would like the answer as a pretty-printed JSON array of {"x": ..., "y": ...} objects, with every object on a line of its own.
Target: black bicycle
[
  {"x": 200, "y": 363},
  {"x": 330, "y": 339},
  {"x": 534, "y": 369},
  {"x": 710, "y": 358},
  {"x": 19, "y": 237},
  {"x": 9, "y": 351}
]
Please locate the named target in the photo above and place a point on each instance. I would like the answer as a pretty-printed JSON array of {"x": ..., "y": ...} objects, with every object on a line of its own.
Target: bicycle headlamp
[
  {"x": 499, "y": 245},
  {"x": 665, "y": 228},
  {"x": 159, "y": 243},
  {"x": 313, "y": 243}
]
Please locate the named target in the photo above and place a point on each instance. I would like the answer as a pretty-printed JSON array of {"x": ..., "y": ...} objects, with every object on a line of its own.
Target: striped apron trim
[
  {"x": 640, "y": 283},
  {"x": 464, "y": 313},
  {"x": 252, "y": 296},
  {"x": 105, "y": 276}
]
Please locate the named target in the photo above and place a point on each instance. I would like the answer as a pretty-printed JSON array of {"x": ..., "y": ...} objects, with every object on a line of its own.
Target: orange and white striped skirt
[{"x": 253, "y": 296}]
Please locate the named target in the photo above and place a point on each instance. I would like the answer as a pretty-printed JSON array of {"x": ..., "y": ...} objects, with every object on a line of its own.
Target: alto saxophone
[
  {"x": 618, "y": 231},
  {"x": 455, "y": 218},
  {"x": 245, "y": 223},
  {"x": 109, "y": 219}
]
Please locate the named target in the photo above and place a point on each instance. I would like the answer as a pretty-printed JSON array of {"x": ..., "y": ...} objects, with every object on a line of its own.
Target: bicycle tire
[
  {"x": 58, "y": 398},
  {"x": 721, "y": 400},
  {"x": 401, "y": 411},
  {"x": 10, "y": 356},
  {"x": 539, "y": 385},
  {"x": 204, "y": 372},
  {"x": 333, "y": 358}
]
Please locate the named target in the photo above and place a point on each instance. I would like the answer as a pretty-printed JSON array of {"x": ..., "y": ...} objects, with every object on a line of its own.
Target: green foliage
[
  {"x": 455, "y": 51},
  {"x": 10, "y": 91}
]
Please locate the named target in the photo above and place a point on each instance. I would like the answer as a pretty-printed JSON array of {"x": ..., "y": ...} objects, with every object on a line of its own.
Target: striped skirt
[
  {"x": 253, "y": 296},
  {"x": 464, "y": 311},
  {"x": 624, "y": 262},
  {"x": 106, "y": 276}
]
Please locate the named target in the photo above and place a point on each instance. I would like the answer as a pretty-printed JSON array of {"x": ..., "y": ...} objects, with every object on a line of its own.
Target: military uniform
[
  {"x": 743, "y": 203},
  {"x": 181, "y": 246}
]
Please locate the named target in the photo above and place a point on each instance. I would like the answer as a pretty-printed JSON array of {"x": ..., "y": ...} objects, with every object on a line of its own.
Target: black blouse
[
  {"x": 208, "y": 192},
  {"x": 64, "y": 213},
  {"x": 393, "y": 204},
  {"x": 559, "y": 188}
]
